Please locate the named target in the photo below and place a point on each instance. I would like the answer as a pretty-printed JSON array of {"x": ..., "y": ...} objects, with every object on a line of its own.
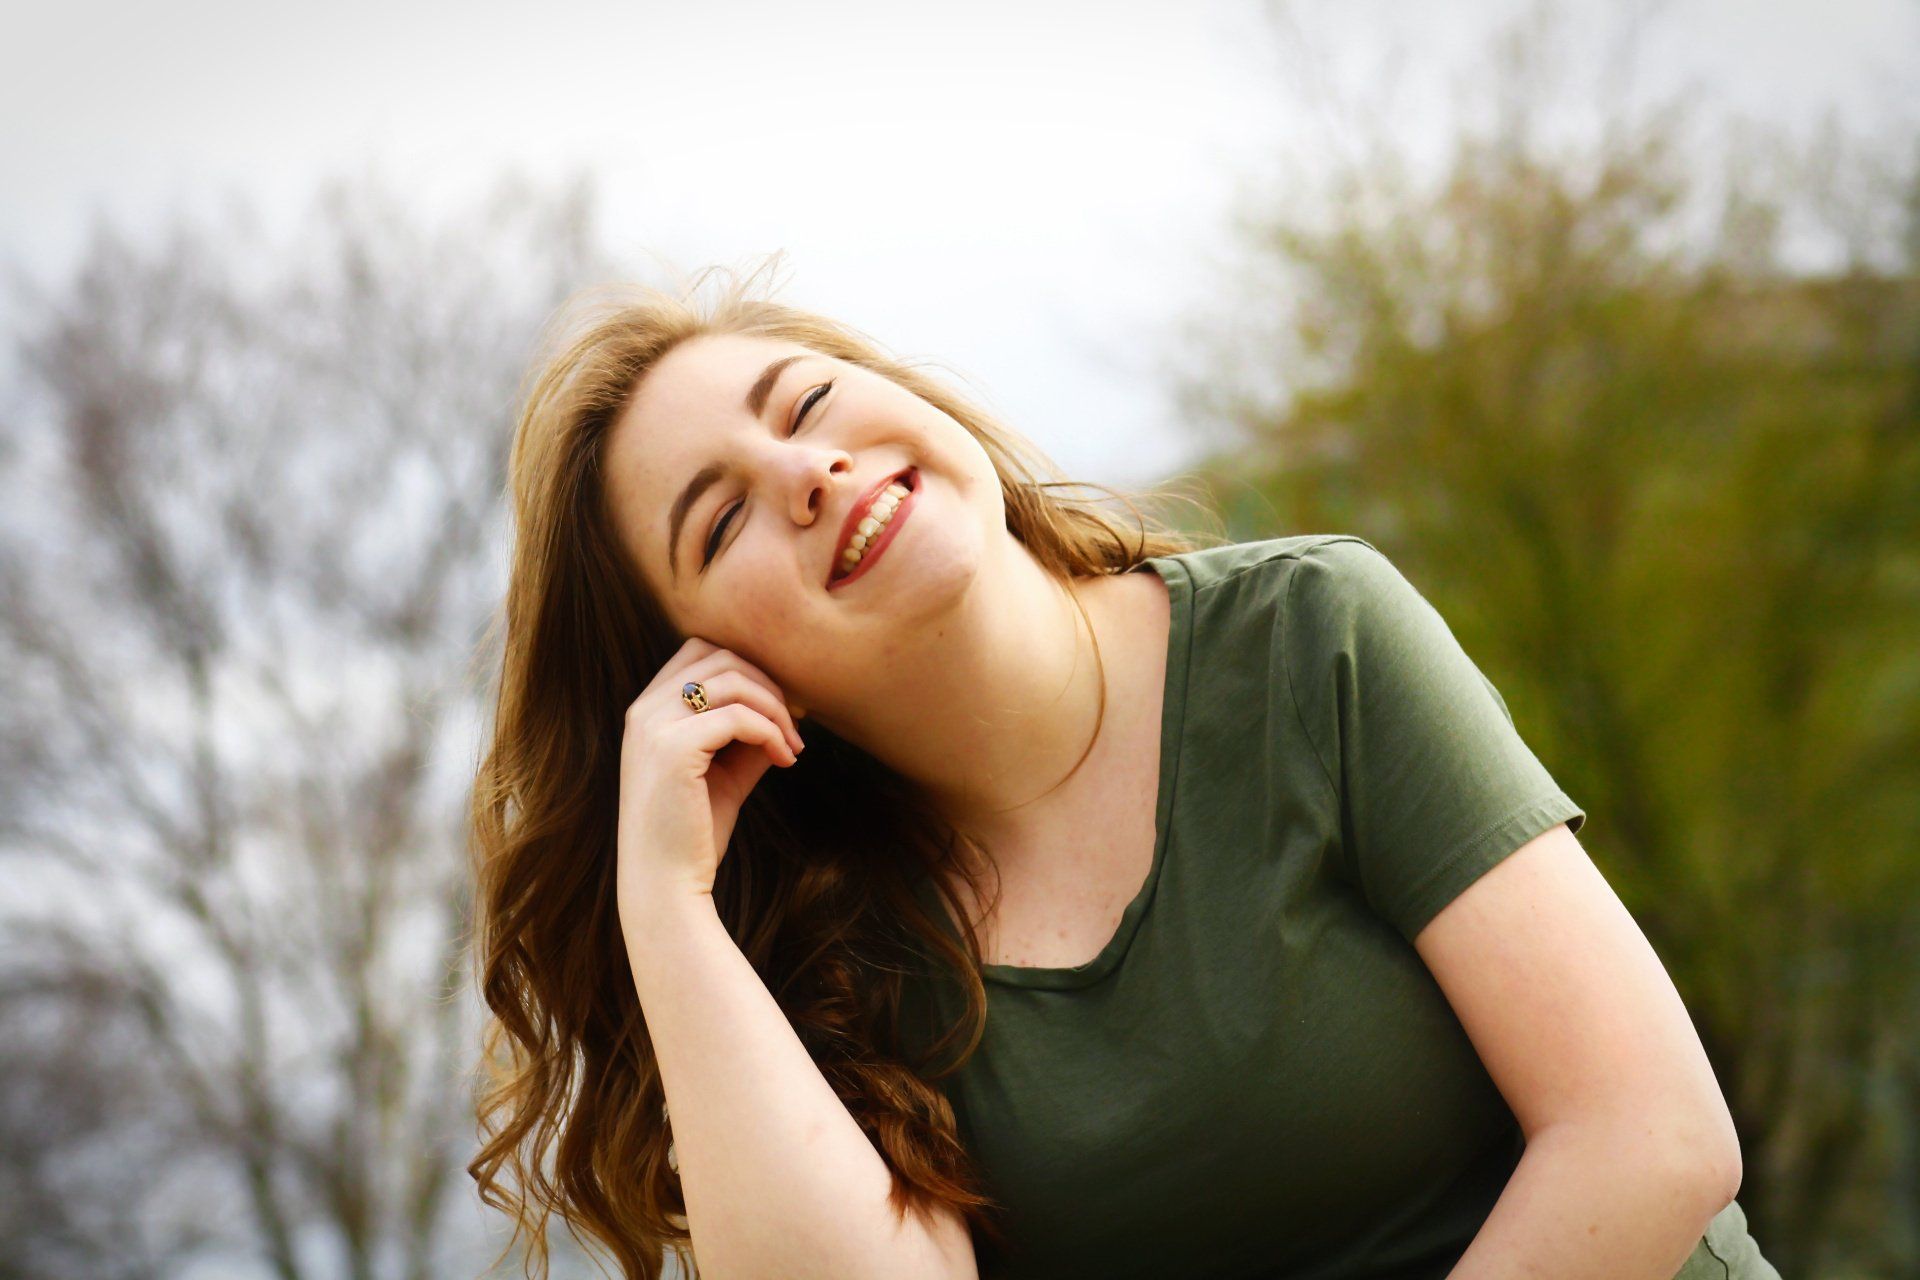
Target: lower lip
[{"x": 886, "y": 535}]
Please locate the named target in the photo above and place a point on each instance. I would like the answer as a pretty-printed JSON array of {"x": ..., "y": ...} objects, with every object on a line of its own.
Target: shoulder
[
  {"x": 1303, "y": 582},
  {"x": 1268, "y": 558}
]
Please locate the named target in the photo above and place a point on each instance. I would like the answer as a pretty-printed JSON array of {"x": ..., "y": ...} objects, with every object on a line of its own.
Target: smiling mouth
[{"x": 908, "y": 480}]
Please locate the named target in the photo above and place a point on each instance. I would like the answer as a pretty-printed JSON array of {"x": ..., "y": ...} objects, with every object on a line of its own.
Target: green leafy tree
[{"x": 1659, "y": 466}]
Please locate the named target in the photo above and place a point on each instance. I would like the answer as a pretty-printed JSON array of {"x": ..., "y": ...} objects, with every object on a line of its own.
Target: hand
[{"x": 684, "y": 774}]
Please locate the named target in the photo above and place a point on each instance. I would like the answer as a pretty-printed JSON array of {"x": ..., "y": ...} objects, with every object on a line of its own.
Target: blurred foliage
[{"x": 1661, "y": 474}]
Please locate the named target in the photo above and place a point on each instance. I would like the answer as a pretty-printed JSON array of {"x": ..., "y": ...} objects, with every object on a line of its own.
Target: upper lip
[{"x": 857, "y": 511}]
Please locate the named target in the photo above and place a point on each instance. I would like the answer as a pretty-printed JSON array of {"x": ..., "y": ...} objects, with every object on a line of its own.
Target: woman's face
[{"x": 730, "y": 475}]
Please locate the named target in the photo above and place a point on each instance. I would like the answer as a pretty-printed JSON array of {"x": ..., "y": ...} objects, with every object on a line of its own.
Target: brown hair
[{"x": 822, "y": 906}]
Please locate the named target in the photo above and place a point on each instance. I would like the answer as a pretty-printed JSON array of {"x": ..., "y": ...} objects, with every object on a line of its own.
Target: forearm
[
  {"x": 1597, "y": 1202},
  {"x": 778, "y": 1177}
]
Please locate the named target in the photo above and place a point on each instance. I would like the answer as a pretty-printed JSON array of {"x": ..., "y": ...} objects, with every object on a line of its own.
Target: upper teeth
[{"x": 870, "y": 524}]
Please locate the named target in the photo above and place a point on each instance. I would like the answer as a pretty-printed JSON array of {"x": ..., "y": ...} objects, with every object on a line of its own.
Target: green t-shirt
[{"x": 1258, "y": 1076}]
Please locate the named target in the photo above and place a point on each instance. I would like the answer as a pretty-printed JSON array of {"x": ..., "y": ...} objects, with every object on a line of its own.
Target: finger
[
  {"x": 674, "y": 672},
  {"x": 693, "y": 650},
  {"x": 727, "y": 660},
  {"x": 740, "y": 663},
  {"x": 696, "y": 647},
  {"x": 711, "y": 731},
  {"x": 738, "y": 686}
]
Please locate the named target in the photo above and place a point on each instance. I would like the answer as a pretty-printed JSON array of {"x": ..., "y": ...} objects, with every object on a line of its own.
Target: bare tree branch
[{"x": 237, "y": 628}]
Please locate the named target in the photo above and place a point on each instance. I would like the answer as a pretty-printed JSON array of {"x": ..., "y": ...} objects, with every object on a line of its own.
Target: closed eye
[{"x": 812, "y": 398}]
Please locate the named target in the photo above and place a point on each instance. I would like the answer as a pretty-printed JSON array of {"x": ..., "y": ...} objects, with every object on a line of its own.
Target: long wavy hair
[{"x": 821, "y": 902}]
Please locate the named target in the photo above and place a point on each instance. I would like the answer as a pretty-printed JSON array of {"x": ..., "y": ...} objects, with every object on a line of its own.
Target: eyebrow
[{"x": 709, "y": 475}]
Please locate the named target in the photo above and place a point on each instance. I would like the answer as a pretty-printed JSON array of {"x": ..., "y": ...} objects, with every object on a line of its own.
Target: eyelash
[{"x": 813, "y": 397}]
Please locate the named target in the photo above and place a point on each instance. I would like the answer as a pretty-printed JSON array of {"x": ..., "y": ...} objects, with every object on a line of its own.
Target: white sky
[{"x": 1029, "y": 191}]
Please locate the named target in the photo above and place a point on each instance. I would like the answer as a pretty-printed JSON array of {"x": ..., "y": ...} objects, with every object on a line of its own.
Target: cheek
[
  {"x": 768, "y": 614},
  {"x": 762, "y": 612},
  {"x": 773, "y": 635}
]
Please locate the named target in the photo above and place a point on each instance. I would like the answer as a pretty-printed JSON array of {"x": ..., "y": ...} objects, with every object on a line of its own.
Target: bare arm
[
  {"x": 1630, "y": 1150},
  {"x": 1596, "y": 1201},
  {"x": 779, "y": 1179}
]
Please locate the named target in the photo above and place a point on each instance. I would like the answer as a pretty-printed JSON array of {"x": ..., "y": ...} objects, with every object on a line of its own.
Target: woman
[{"x": 1294, "y": 964}]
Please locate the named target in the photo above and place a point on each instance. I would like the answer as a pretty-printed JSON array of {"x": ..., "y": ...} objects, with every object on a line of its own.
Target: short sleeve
[{"x": 1435, "y": 784}]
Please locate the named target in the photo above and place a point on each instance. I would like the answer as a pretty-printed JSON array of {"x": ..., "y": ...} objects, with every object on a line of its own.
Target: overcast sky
[{"x": 1029, "y": 191}]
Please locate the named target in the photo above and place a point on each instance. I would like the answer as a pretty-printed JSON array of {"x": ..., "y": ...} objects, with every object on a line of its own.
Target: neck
[{"x": 991, "y": 708}]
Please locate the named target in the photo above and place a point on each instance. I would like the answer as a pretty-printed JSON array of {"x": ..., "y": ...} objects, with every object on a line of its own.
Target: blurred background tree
[
  {"x": 255, "y": 543},
  {"x": 1646, "y": 430}
]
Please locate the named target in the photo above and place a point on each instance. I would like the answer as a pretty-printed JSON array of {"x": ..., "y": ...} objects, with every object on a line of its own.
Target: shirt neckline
[{"x": 1173, "y": 701}]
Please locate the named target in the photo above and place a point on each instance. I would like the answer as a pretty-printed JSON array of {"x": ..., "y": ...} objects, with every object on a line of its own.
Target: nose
[{"x": 818, "y": 473}]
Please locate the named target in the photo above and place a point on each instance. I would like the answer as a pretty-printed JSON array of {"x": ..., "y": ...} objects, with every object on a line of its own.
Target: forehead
[
  {"x": 674, "y": 424},
  {"x": 702, "y": 382}
]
